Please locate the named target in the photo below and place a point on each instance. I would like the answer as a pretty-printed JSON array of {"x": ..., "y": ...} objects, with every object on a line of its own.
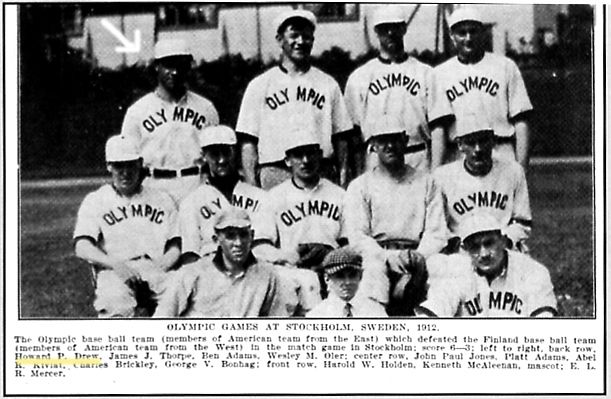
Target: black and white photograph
[{"x": 194, "y": 165}]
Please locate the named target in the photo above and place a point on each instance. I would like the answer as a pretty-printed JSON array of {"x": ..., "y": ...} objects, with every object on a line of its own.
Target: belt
[
  {"x": 505, "y": 139},
  {"x": 169, "y": 173},
  {"x": 415, "y": 148},
  {"x": 398, "y": 244}
]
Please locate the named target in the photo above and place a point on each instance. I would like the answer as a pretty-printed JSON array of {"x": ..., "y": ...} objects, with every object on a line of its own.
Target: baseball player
[
  {"x": 230, "y": 284},
  {"x": 307, "y": 213},
  {"x": 128, "y": 233},
  {"x": 199, "y": 209},
  {"x": 394, "y": 217},
  {"x": 168, "y": 122},
  {"x": 292, "y": 92},
  {"x": 343, "y": 269},
  {"x": 488, "y": 281},
  {"x": 476, "y": 81},
  {"x": 483, "y": 182},
  {"x": 394, "y": 83}
]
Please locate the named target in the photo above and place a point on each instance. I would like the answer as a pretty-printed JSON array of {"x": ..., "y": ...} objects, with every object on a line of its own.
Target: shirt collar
[
  {"x": 164, "y": 96},
  {"x": 400, "y": 60},
  {"x": 297, "y": 186},
  {"x": 219, "y": 263},
  {"x": 285, "y": 71}
]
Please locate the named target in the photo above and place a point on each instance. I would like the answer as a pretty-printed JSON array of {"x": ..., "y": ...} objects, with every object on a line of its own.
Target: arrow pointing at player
[{"x": 127, "y": 45}]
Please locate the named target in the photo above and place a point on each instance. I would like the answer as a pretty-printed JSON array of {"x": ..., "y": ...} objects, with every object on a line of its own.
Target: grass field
[{"x": 53, "y": 283}]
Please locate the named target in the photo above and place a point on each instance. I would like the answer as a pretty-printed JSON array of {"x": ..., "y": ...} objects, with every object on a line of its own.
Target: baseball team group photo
[{"x": 317, "y": 160}]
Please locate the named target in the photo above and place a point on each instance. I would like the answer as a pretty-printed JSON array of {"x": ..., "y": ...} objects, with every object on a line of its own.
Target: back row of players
[{"x": 295, "y": 130}]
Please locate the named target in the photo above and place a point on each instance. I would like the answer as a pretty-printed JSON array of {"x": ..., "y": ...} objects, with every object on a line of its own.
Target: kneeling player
[
  {"x": 490, "y": 281},
  {"x": 129, "y": 234}
]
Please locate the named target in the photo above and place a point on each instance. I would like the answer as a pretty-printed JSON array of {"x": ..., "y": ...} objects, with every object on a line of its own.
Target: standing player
[
  {"x": 168, "y": 122},
  {"x": 482, "y": 181},
  {"x": 394, "y": 216},
  {"x": 128, "y": 233},
  {"x": 488, "y": 282},
  {"x": 476, "y": 81},
  {"x": 294, "y": 91},
  {"x": 396, "y": 84}
]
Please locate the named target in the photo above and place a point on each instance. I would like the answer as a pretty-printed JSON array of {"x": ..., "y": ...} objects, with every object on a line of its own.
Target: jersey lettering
[
  {"x": 311, "y": 208},
  {"x": 393, "y": 80},
  {"x": 497, "y": 300},
  {"x": 480, "y": 83},
  {"x": 246, "y": 203},
  {"x": 275, "y": 100},
  {"x": 317, "y": 99},
  {"x": 207, "y": 211},
  {"x": 500, "y": 300},
  {"x": 181, "y": 114},
  {"x": 481, "y": 199},
  {"x": 122, "y": 213}
]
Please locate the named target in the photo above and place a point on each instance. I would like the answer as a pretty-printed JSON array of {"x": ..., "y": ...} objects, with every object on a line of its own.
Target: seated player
[
  {"x": 489, "y": 280},
  {"x": 224, "y": 188},
  {"x": 480, "y": 181},
  {"x": 343, "y": 269},
  {"x": 232, "y": 283},
  {"x": 306, "y": 209},
  {"x": 129, "y": 234},
  {"x": 394, "y": 218}
]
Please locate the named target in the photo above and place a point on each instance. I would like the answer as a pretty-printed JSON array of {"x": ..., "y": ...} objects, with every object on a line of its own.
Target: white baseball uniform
[
  {"x": 199, "y": 209},
  {"x": 379, "y": 208},
  {"x": 524, "y": 288},
  {"x": 134, "y": 229},
  {"x": 493, "y": 87},
  {"x": 502, "y": 192},
  {"x": 168, "y": 133},
  {"x": 380, "y": 87},
  {"x": 307, "y": 216},
  {"x": 274, "y": 99}
]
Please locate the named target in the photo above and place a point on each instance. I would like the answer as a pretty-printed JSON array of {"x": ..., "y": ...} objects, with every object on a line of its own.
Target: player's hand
[
  {"x": 405, "y": 261},
  {"x": 312, "y": 254},
  {"x": 126, "y": 273}
]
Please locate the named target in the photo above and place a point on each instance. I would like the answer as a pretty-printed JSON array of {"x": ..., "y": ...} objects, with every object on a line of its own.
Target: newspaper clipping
[{"x": 304, "y": 199}]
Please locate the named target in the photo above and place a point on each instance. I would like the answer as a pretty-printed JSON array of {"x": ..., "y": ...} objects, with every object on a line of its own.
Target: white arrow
[{"x": 127, "y": 46}]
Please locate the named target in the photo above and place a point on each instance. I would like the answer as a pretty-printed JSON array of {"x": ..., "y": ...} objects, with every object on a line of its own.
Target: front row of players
[{"x": 282, "y": 252}]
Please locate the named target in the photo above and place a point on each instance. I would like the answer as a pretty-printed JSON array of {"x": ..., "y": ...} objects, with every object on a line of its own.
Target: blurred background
[{"x": 75, "y": 87}]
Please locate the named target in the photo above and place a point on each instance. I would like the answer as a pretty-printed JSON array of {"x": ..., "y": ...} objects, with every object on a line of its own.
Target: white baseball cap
[
  {"x": 170, "y": 48},
  {"x": 471, "y": 123},
  {"x": 388, "y": 14},
  {"x": 384, "y": 124},
  {"x": 216, "y": 135},
  {"x": 301, "y": 136},
  {"x": 463, "y": 14},
  {"x": 295, "y": 13},
  {"x": 478, "y": 223},
  {"x": 232, "y": 217},
  {"x": 122, "y": 149}
]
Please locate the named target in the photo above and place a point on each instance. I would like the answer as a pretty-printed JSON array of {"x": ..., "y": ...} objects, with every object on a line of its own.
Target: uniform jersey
[
  {"x": 306, "y": 216},
  {"x": 502, "y": 192},
  {"x": 198, "y": 212},
  {"x": 380, "y": 87},
  {"x": 169, "y": 131},
  {"x": 379, "y": 207},
  {"x": 524, "y": 288},
  {"x": 206, "y": 289},
  {"x": 493, "y": 88},
  {"x": 128, "y": 227},
  {"x": 275, "y": 99}
]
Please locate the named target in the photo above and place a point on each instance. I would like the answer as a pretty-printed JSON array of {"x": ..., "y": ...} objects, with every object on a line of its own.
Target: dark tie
[{"x": 348, "y": 310}]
